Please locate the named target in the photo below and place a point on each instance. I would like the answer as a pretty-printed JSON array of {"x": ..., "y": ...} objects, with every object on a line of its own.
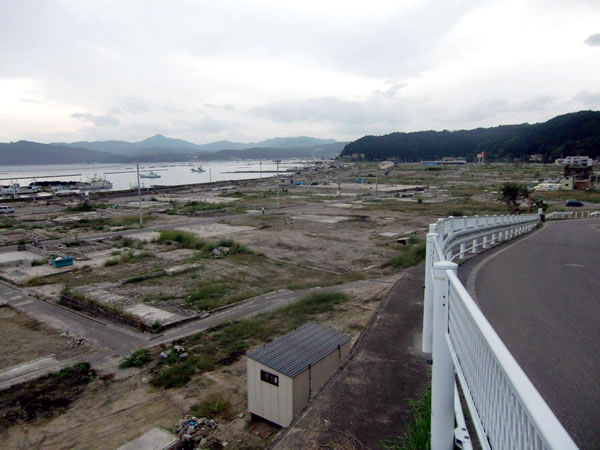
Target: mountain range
[
  {"x": 161, "y": 144},
  {"x": 160, "y": 148},
  {"x": 568, "y": 134}
]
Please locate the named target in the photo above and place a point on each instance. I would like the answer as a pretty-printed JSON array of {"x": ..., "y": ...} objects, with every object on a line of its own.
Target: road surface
[{"x": 542, "y": 296}]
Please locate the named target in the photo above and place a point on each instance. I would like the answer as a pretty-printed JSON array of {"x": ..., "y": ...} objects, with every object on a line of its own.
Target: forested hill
[{"x": 569, "y": 134}]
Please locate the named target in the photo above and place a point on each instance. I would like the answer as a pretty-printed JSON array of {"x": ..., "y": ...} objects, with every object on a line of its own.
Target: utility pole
[
  {"x": 137, "y": 166},
  {"x": 376, "y": 178},
  {"x": 210, "y": 175},
  {"x": 260, "y": 163},
  {"x": 339, "y": 187},
  {"x": 278, "y": 182}
]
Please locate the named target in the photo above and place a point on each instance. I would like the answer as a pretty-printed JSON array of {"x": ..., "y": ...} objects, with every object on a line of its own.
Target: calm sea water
[{"x": 123, "y": 176}]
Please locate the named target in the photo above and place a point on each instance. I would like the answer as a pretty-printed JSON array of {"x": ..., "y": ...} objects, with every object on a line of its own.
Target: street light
[{"x": 278, "y": 182}]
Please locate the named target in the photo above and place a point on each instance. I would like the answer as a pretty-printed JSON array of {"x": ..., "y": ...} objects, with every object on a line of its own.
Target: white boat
[
  {"x": 150, "y": 174},
  {"x": 95, "y": 183},
  {"x": 15, "y": 189},
  {"x": 198, "y": 169}
]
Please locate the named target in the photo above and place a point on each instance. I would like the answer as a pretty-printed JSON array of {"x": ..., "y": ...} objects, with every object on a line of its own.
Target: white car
[{"x": 6, "y": 209}]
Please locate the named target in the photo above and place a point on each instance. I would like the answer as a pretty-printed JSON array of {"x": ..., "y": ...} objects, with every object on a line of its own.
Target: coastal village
[{"x": 164, "y": 316}]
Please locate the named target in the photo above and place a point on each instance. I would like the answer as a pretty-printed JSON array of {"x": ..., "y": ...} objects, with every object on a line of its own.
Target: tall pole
[
  {"x": 260, "y": 169},
  {"x": 278, "y": 182},
  {"x": 339, "y": 186},
  {"x": 376, "y": 178},
  {"x": 210, "y": 175},
  {"x": 137, "y": 166}
]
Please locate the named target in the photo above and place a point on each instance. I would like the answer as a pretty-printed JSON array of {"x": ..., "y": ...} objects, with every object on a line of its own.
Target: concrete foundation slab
[
  {"x": 214, "y": 229},
  {"x": 153, "y": 439},
  {"x": 149, "y": 314}
]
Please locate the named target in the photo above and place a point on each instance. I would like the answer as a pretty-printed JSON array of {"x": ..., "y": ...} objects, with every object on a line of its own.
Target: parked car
[
  {"x": 573, "y": 203},
  {"x": 6, "y": 209}
]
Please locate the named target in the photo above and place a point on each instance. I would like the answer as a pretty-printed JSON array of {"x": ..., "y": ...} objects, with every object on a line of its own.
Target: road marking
[
  {"x": 16, "y": 297},
  {"x": 26, "y": 302},
  {"x": 575, "y": 265}
]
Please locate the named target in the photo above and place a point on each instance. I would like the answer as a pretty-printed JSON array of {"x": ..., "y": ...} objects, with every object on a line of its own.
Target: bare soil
[{"x": 25, "y": 339}]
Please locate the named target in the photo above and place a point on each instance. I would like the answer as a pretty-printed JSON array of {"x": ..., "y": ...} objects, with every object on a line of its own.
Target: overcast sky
[{"x": 250, "y": 70}]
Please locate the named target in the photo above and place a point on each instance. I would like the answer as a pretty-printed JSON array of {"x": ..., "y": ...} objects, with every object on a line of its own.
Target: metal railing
[
  {"x": 571, "y": 215},
  {"x": 506, "y": 409}
]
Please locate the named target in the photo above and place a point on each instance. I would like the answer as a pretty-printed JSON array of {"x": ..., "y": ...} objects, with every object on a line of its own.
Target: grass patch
[
  {"x": 192, "y": 208},
  {"x": 416, "y": 434},
  {"x": 129, "y": 256},
  {"x": 138, "y": 358},
  {"x": 189, "y": 240},
  {"x": 216, "y": 405},
  {"x": 409, "y": 256},
  {"x": 184, "y": 239}
]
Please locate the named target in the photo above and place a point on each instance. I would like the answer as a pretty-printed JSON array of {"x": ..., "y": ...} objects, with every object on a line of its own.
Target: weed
[
  {"x": 410, "y": 256},
  {"x": 183, "y": 238},
  {"x": 214, "y": 406},
  {"x": 138, "y": 358},
  {"x": 39, "y": 262},
  {"x": 416, "y": 435}
]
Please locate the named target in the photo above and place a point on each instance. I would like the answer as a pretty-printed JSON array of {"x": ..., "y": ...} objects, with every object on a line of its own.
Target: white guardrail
[
  {"x": 506, "y": 409},
  {"x": 571, "y": 215}
]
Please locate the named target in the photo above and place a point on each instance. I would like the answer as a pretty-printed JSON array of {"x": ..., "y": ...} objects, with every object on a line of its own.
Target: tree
[{"x": 511, "y": 195}]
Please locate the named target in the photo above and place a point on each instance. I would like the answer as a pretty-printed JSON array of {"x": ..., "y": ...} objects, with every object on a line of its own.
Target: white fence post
[
  {"x": 463, "y": 249},
  {"x": 428, "y": 300},
  {"x": 474, "y": 248},
  {"x": 442, "y": 381}
]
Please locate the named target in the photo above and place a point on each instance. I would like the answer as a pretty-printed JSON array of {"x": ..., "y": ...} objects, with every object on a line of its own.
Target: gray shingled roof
[{"x": 291, "y": 354}]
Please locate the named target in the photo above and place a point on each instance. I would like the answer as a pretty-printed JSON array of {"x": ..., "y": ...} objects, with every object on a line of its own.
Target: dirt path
[{"x": 367, "y": 401}]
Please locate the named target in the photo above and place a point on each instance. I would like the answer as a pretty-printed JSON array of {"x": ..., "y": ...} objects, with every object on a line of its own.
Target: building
[
  {"x": 582, "y": 161},
  {"x": 287, "y": 372},
  {"x": 578, "y": 178},
  {"x": 536, "y": 158}
]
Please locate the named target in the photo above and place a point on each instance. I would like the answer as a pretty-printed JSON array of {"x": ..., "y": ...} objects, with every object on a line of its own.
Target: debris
[
  {"x": 183, "y": 356},
  {"x": 178, "y": 348},
  {"x": 163, "y": 355}
]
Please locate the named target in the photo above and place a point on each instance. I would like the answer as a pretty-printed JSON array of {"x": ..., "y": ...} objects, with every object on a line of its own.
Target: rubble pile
[
  {"x": 74, "y": 340},
  {"x": 194, "y": 432}
]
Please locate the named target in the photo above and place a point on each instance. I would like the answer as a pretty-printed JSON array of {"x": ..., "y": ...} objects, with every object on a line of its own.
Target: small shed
[{"x": 287, "y": 372}]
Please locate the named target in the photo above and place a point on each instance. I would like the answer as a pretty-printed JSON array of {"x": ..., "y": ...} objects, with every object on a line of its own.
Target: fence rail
[
  {"x": 572, "y": 215},
  {"x": 506, "y": 409}
]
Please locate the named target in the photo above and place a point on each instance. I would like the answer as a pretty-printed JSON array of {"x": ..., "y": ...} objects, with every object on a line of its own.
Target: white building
[
  {"x": 287, "y": 372},
  {"x": 583, "y": 161}
]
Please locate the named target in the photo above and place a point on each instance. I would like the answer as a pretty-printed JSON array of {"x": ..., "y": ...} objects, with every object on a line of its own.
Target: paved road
[{"x": 542, "y": 296}]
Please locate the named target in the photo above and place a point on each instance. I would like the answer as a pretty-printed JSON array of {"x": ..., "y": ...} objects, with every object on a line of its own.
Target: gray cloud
[
  {"x": 587, "y": 99},
  {"x": 98, "y": 120},
  {"x": 133, "y": 105},
  {"x": 593, "y": 40}
]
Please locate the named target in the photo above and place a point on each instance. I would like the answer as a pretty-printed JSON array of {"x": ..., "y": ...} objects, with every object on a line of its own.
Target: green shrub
[
  {"x": 410, "y": 256},
  {"x": 138, "y": 358},
  {"x": 39, "y": 262},
  {"x": 214, "y": 406},
  {"x": 183, "y": 238},
  {"x": 455, "y": 213}
]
